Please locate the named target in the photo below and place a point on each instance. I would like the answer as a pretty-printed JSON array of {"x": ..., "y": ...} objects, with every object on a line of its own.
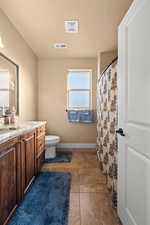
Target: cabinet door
[
  {"x": 8, "y": 182},
  {"x": 28, "y": 154}
]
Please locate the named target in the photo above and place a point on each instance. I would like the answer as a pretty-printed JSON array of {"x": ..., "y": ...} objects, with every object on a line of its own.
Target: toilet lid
[{"x": 51, "y": 138}]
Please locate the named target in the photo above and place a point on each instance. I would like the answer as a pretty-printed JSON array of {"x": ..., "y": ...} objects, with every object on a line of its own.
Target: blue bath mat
[
  {"x": 60, "y": 157},
  {"x": 46, "y": 202}
]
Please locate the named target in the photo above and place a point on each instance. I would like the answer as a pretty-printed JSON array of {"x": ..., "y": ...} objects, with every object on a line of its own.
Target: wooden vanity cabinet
[
  {"x": 9, "y": 178},
  {"x": 20, "y": 160}
]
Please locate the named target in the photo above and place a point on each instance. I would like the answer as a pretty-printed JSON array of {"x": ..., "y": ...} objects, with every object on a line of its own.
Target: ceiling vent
[
  {"x": 71, "y": 26},
  {"x": 61, "y": 45}
]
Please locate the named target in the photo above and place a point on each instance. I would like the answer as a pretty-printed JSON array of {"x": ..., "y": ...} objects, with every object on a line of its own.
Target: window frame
[{"x": 79, "y": 89}]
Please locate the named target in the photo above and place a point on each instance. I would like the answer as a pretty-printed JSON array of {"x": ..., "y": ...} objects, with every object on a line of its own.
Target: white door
[{"x": 134, "y": 115}]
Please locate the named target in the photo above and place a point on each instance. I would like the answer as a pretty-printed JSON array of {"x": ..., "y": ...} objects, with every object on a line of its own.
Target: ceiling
[{"x": 41, "y": 24}]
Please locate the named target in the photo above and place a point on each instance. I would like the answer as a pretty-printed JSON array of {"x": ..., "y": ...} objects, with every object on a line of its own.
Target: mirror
[{"x": 9, "y": 78}]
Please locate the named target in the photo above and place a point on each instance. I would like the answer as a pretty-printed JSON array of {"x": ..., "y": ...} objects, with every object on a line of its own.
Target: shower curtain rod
[{"x": 114, "y": 60}]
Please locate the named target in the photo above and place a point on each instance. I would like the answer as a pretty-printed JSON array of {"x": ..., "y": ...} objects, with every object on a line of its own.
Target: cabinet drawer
[
  {"x": 40, "y": 144},
  {"x": 40, "y": 131}
]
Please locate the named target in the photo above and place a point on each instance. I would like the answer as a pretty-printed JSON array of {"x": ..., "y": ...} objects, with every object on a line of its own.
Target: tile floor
[{"x": 90, "y": 202}]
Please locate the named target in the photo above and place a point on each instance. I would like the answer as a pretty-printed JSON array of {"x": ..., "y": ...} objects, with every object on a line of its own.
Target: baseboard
[{"x": 76, "y": 145}]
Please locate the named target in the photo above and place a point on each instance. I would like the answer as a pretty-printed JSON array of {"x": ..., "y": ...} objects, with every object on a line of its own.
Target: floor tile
[
  {"x": 91, "y": 174},
  {"x": 92, "y": 188},
  {"x": 75, "y": 184},
  {"x": 92, "y": 179},
  {"x": 74, "y": 213},
  {"x": 89, "y": 171},
  {"x": 95, "y": 210}
]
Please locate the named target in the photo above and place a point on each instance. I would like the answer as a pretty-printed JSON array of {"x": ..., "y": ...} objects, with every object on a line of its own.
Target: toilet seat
[{"x": 52, "y": 139}]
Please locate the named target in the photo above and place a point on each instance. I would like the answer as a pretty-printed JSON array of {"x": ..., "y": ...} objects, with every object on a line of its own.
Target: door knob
[{"x": 120, "y": 131}]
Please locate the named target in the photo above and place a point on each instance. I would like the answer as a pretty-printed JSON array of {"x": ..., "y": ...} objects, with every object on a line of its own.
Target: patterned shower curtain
[{"x": 107, "y": 125}]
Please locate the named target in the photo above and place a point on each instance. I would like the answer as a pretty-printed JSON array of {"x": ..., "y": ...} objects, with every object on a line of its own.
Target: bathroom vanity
[{"x": 21, "y": 158}]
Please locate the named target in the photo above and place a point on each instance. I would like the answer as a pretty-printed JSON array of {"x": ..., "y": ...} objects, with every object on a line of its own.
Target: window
[
  {"x": 79, "y": 89},
  {"x": 4, "y": 88}
]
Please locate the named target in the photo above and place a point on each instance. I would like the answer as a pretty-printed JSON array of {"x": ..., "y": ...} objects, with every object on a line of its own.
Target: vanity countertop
[{"x": 8, "y": 132}]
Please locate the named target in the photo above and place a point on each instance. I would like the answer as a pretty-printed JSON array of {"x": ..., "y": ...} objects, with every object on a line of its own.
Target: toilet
[{"x": 50, "y": 146}]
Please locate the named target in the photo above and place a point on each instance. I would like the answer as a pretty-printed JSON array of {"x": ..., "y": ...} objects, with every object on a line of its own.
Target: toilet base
[{"x": 50, "y": 152}]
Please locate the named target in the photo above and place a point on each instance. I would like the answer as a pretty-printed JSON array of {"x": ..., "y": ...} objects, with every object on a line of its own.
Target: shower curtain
[{"x": 107, "y": 125}]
